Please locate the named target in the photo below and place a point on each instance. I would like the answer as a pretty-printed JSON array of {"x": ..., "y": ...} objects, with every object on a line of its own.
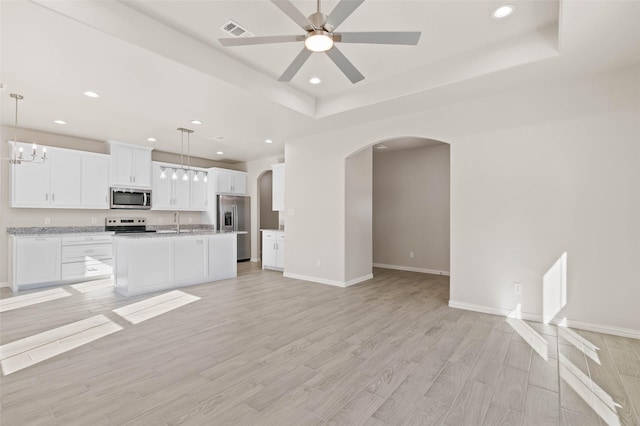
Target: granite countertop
[
  {"x": 272, "y": 230},
  {"x": 58, "y": 231}
]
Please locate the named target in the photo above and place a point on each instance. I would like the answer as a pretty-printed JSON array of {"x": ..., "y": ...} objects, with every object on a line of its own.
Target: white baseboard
[
  {"x": 598, "y": 328},
  {"x": 335, "y": 283},
  {"x": 5, "y": 284},
  {"x": 254, "y": 259},
  {"x": 410, "y": 269}
]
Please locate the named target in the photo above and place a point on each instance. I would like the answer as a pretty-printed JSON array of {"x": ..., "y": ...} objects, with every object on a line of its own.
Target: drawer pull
[{"x": 92, "y": 269}]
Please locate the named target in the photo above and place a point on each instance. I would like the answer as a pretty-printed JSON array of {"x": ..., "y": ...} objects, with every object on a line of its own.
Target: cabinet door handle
[
  {"x": 46, "y": 196},
  {"x": 92, "y": 269},
  {"x": 53, "y": 197}
]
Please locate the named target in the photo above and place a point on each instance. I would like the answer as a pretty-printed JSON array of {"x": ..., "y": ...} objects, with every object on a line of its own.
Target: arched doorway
[{"x": 405, "y": 183}]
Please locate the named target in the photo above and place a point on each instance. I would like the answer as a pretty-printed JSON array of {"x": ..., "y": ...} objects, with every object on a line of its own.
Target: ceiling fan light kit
[
  {"x": 318, "y": 41},
  {"x": 321, "y": 38}
]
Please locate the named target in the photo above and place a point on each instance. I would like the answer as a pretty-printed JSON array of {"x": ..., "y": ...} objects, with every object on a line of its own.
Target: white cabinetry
[
  {"x": 68, "y": 179},
  {"x": 130, "y": 165},
  {"x": 223, "y": 255},
  {"x": 147, "y": 264},
  {"x": 277, "y": 198},
  {"x": 228, "y": 181},
  {"x": 85, "y": 257},
  {"x": 178, "y": 194},
  {"x": 40, "y": 261},
  {"x": 273, "y": 250},
  {"x": 35, "y": 261},
  {"x": 95, "y": 181},
  {"x": 54, "y": 183},
  {"x": 190, "y": 258}
]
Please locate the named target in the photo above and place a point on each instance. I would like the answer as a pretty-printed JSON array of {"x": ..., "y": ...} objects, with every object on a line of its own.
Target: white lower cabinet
[
  {"x": 144, "y": 265},
  {"x": 49, "y": 260},
  {"x": 190, "y": 258},
  {"x": 223, "y": 257},
  {"x": 36, "y": 261},
  {"x": 86, "y": 257},
  {"x": 273, "y": 250}
]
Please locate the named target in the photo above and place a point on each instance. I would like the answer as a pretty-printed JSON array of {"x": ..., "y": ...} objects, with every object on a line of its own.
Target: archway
[{"x": 404, "y": 184}]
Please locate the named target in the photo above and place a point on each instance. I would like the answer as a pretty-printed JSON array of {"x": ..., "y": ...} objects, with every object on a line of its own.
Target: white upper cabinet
[
  {"x": 277, "y": 193},
  {"x": 177, "y": 194},
  {"x": 228, "y": 181},
  {"x": 30, "y": 182},
  {"x": 130, "y": 165},
  {"x": 95, "y": 181},
  {"x": 68, "y": 179}
]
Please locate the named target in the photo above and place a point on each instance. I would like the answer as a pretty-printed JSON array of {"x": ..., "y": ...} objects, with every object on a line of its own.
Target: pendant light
[
  {"x": 17, "y": 155},
  {"x": 185, "y": 172}
]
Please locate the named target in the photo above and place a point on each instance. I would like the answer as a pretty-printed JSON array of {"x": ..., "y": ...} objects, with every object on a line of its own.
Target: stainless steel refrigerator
[{"x": 234, "y": 214}]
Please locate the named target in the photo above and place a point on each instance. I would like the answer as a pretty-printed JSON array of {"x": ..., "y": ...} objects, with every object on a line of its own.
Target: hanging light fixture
[
  {"x": 17, "y": 156},
  {"x": 185, "y": 172}
]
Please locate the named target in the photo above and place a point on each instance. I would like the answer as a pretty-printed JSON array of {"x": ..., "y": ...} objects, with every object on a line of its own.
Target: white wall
[
  {"x": 534, "y": 172},
  {"x": 254, "y": 170},
  {"x": 10, "y": 217},
  {"x": 411, "y": 208},
  {"x": 358, "y": 216}
]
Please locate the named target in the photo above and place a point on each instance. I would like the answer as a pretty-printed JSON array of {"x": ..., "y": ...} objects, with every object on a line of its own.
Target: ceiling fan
[{"x": 320, "y": 36}]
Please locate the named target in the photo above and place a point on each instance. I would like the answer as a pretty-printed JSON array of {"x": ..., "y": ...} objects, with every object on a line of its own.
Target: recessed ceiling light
[
  {"x": 503, "y": 11},
  {"x": 91, "y": 94},
  {"x": 219, "y": 152},
  {"x": 315, "y": 80},
  {"x": 196, "y": 122},
  {"x": 151, "y": 139},
  {"x": 59, "y": 121},
  {"x": 268, "y": 141}
]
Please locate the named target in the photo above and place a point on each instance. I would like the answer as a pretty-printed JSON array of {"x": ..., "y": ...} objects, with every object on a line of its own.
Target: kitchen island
[{"x": 149, "y": 262}]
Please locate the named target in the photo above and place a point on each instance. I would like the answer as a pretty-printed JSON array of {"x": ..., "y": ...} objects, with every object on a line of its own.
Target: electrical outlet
[
  {"x": 318, "y": 262},
  {"x": 411, "y": 254},
  {"x": 94, "y": 220},
  {"x": 517, "y": 289},
  {"x": 47, "y": 221}
]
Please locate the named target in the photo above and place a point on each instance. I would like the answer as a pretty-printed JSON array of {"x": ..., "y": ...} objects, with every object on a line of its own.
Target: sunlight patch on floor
[
  {"x": 31, "y": 350},
  {"x": 11, "y": 303},
  {"x": 154, "y": 306}
]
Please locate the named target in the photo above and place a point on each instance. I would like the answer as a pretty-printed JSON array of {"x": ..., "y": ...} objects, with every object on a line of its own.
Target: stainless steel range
[{"x": 122, "y": 225}]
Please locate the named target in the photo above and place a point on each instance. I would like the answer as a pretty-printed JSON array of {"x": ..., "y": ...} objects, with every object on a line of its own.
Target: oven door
[{"x": 134, "y": 199}]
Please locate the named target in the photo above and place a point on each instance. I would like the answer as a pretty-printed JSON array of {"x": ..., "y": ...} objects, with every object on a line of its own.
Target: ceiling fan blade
[
  {"x": 345, "y": 66},
  {"x": 295, "y": 66},
  {"x": 244, "y": 41},
  {"x": 292, "y": 12},
  {"x": 342, "y": 12},
  {"x": 391, "y": 37}
]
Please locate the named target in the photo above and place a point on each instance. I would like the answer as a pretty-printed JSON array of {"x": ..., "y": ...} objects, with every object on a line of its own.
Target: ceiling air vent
[{"x": 233, "y": 28}]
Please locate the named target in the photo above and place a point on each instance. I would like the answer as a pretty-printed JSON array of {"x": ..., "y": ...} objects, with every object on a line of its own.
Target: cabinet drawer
[
  {"x": 87, "y": 239},
  {"x": 280, "y": 236},
  {"x": 90, "y": 268},
  {"x": 87, "y": 252},
  {"x": 269, "y": 235}
]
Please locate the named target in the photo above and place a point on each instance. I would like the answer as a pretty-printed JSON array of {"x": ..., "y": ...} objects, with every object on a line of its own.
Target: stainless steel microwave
[{"x": 130, "y": 198}]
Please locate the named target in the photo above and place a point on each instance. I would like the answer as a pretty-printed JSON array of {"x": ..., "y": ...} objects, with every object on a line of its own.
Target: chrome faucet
[{"x": 176, "y": 220}]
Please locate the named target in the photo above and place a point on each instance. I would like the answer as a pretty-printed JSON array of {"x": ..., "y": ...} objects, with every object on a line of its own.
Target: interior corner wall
[
  {"x": 534, "y": 172},
  {"x": 411, "y": 208},
  {"x": 358, "y": 216}
]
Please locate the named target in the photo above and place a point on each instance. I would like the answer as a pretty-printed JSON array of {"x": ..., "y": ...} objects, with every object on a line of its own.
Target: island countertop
[{"x": 166, "y": 234}]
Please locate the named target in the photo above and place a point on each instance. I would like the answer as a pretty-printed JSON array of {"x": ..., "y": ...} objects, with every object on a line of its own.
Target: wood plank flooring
[{"x": 266, "y": 350}]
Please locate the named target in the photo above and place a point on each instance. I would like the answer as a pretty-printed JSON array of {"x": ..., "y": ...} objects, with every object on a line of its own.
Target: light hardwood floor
[{"x": 263, "y": 349}]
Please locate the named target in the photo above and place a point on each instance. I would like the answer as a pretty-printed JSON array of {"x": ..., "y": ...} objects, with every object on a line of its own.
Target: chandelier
[{"x": 18, "y": 156}]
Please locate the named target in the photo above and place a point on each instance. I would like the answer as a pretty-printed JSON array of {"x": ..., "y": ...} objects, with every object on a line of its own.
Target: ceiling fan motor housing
[{"x": 319, "y": 21}]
